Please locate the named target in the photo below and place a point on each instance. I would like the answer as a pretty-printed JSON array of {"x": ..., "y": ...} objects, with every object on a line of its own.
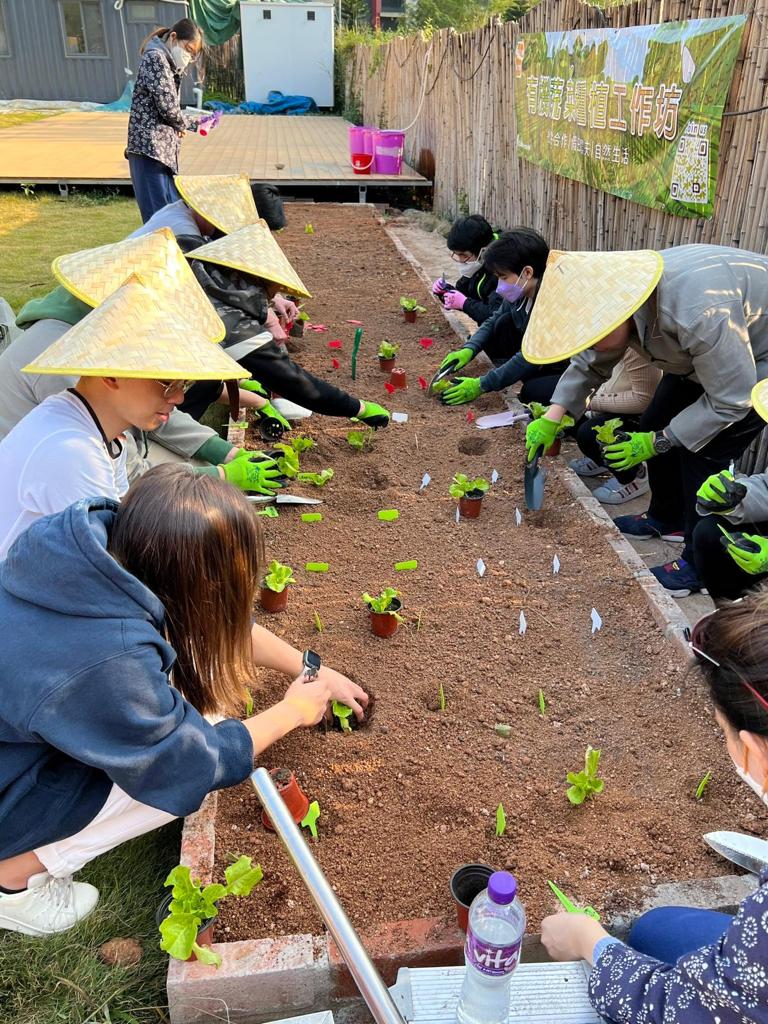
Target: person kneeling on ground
[
  {"x": 74, "y": 785},
  {"x": 625, "y": 396},
  {"x": 682, "y": 965},
  {"x": 518, "y": 258},
  {"x": 698, "y": 312},
  {"x": 475, "y": 291}
]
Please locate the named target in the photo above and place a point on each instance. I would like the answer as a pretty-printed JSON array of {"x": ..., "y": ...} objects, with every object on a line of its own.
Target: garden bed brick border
[{"x": 265, "y": 979}]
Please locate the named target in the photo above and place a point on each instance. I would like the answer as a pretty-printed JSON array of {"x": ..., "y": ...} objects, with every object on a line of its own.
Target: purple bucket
[
  {"x": 388, "y": 150},
  {"x": 360, "y": 149}
]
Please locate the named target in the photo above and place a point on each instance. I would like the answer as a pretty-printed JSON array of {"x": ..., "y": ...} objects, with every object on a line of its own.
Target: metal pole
[{"x": 366, "y": 977}]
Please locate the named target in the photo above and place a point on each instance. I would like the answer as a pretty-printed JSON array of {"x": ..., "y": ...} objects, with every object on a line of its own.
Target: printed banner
[{"x": 633, "y": 111}]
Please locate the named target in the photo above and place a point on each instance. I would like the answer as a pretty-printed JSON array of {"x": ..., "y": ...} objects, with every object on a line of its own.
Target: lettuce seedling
[
  {"x": 288, "y": 462},
  {"x": 606, "y": 432},
  {"x": 462, "y": 486},
  {"x": 382, "y": 604},
  {"x": 318, "y": 479},
  {"x": 310, "y": 818},
  {"x": 318, "y": 622},
  {"x": 586, "y": 783},
  {"x": 441, "y": 697},
  {"x": 542, "y": 704},
  {"x": 278, "y": 577},
  {"x": 703, "y": 785},
  {"x": 343, "y": 713},
  {"x": 387, "y": 350},
  {"x": 248, "y": 703},
  {"x": 301, "y": 444},
  {"x": 501, "y": 821},
  {"x": 192, "y": 904},
  {"x": 360, "y": 440},
  {"x": 410, "y": 305}
]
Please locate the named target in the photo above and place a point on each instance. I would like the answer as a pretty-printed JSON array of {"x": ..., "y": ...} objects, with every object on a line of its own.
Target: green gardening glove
[
  {"x": 540, "y": 435},
  {"x": 720, "y": 493},
  {"x": 458, "y": 360},
  {"x": 536, "y": 409},
  {"x": 630, "y": 451},
  {"x": 258, "y": 476},
  {"x": 373, "y": 415},
  {"x": 271, "y": 411},
  {"x": 254, "y": 387},
  {"x": 749, "y": 551},
  {"x": 465, "y": 389}
]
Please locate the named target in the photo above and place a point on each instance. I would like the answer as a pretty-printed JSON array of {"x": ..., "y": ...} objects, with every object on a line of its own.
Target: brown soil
[{"x": 407, "y": 800}]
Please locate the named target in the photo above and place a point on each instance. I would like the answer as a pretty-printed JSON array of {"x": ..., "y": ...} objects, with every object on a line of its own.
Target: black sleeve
[
  {"x": 481, "y": 309},
  {"x": 271, "y": 365}
]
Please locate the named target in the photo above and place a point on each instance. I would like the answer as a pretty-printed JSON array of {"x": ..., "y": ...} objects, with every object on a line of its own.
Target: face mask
[
  {"x": 510, "y": 292},
  {"x": 468, "y": 269},
  {"x": 181, "y": 57},
  {"x": 753, "y": 784}
]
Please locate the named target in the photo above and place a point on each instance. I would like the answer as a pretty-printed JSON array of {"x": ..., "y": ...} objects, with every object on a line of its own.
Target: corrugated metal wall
[{"x": 38, "y": 68}]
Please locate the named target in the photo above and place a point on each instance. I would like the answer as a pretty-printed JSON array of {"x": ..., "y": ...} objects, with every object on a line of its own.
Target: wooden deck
[{"x": 87, "y": 149}]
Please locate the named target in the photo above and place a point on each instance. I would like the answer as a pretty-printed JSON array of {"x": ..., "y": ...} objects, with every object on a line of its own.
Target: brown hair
[
  {"x": 733, "y": 642},
  {"x": 185, "y": 30},
  {"x": 195, "y": 542}
]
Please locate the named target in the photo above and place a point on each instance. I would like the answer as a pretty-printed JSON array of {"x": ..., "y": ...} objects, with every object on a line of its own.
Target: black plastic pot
[
  {"x": 467, "y": 882},
  {"x": 204, "y": 932}
]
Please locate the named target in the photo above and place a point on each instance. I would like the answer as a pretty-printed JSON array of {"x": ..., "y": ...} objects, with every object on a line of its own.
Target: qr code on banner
[{"x": 690, "y": 171}]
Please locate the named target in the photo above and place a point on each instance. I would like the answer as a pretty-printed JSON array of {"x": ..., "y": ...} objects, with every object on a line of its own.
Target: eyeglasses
[
  {"x": 691, "y": 635},
  {"x": 459, "y": 259},
  {"x": 170, "y": 387}
]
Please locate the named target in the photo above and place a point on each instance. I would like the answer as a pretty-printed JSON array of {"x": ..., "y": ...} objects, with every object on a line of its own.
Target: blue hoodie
[{"x": 86, "y": 700}]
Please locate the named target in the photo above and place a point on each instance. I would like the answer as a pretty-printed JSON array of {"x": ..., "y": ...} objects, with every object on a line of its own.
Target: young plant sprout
[
  {"x": 606, "y": 432},
  {"x": 303, "y": 317},
  {"x": 462, "y": 486},
  {"x": 586, "y": 783},
  {"x": 248, "y": 703},
  {"x": 703, "y": 785},
  {"x": 441, "y": 697},
  {"x": 382, "y": 604},
  {"x": 310, "y": 819},
  {"x": 318, "y": 479},
  {"x": 411, "y": 305},
  {"x": 388, "y": 350},
  {"x": 192, "y": 904},
  {"x": 343, "y": 713},
  {"x": 288, "y": 462},
  {"x": 308, "y": 229},
  {"x": 542, "y": 704},
  {"x": 318, "y": 622},
  {"x": 501, "y": 821},
  {"x": 301, "y": 444},
  {"x": 278, "y": 577},
  {"x": 360, "y": 440}
]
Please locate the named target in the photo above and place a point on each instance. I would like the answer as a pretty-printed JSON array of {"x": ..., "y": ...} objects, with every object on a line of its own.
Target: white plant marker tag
[
  {"x": 555, "y": 565},
  {"x": 518, "y": 517},
  {"x": 458, "y": 514},
  {"x": 425, "y": 481},
  {"x": 597, "y": 622},
  {"x": 494, "y": 477},
  {"x": 399, "y": 417},
  {"x": 480, "y": 568},
  {"x": 523, "y": 623}
]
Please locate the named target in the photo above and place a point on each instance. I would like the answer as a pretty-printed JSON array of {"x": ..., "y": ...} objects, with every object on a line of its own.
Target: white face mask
[
  {"x": 468, "y": 269},
  {"x": 181, "y": 57},
  {"x": 753, "y": 784}
]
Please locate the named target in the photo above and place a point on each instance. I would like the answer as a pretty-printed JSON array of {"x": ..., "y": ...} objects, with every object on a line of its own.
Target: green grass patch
[
  {"x": 13, "y": 118},
  {"x": 62, "y": 980},
  {"x": 35, "y": 229}
]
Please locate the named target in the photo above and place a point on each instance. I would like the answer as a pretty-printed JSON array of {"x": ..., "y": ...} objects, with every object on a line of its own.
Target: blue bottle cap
[{"x": 502, "y": 887}]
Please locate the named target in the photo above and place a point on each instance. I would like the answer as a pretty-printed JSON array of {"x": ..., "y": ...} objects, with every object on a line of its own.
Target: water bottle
[{"x": 492, "y": 952}]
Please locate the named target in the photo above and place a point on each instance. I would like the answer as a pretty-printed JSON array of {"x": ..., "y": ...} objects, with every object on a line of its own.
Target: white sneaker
[
  {"x": 586, "y": 467},
  {"x": 48, "y": 905},
  {"x": 614, "y": 493},
  {"x": 290, "y": 410}
]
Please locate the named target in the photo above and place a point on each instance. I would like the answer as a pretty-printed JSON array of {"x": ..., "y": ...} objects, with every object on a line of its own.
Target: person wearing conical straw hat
[
  {"x": 697, "y": 312},
  {"x": 134, "y": 362},
  {"x": 238, "y": 272},
  {"x": 730, "y": 542}
]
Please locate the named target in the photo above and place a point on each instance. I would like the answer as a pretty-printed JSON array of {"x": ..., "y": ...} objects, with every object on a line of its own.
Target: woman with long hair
[
  {"x": 156, "y": 124},
  {"x": 127, "y": 631},
  {"x": 682, "y": 965}
]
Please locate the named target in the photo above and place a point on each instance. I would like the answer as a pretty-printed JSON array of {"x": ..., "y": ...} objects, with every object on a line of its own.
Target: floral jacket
[
  {"x": 725, "y": 983},
  {"x": 156, "y": 117}
]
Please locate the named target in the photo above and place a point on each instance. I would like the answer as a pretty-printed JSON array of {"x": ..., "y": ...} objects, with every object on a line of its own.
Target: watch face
[{"x": 311, "y": 662}]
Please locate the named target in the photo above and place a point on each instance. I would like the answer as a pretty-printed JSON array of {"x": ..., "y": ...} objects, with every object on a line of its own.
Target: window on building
[
  {"x": 310, "y": 15},
  {"x": 266, "y": 15},
  {"x": 5, "y": 46},
  {"x": 83, "y": 28},
  {"x": 140, "y": 13}
]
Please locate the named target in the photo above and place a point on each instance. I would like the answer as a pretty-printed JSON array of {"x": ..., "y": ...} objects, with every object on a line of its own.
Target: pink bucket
[
  {"x": 388, "y": 151},
  {"x": 360, "y": 149}
]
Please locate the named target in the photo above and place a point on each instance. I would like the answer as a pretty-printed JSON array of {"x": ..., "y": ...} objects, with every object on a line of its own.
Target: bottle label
[{"x": 490, "y": 959}]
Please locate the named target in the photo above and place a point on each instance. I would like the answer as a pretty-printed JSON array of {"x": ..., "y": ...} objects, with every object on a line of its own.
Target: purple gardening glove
[
  {"x": 438, "y": 286},
  {"x": 454, "y": 300}
]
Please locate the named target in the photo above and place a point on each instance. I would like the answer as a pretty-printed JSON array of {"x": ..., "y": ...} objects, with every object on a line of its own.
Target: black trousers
[
  {"x": 676, "y": 476},
  {"x": 724, "y": 580},
  {"x": 587, "y": 441},
  {"x": 539, "y": 388}
]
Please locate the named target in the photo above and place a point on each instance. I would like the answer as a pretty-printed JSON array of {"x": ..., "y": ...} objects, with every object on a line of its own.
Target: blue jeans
[
  {"x": 668, "y": 933},
  {"x": 152, "y": 184}
]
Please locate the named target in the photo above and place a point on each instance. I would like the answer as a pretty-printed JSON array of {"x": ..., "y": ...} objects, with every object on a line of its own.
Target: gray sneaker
[
  {"x": 614, "y": 493},
  {"x": 586, "y": 467}
]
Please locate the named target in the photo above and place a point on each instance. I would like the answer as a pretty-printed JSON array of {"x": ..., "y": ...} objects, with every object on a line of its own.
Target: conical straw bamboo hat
[
  {"x": 253, "y": 250},
  {"x": 224, "y": 200},
  {"x": 760, "y": 398},
  {"x": 585, "y": 295},
  {"x": 93, "y": 274},
  {"x": 131, "y": 334}
]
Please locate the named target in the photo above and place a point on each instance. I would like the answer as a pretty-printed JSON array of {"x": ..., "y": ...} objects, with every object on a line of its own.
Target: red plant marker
[
  {"x": 470, "y": 416},
  {"x": 390, "y": 388},
  {"x": 357, "y": 323},
  {"x": 426, "y": 342},
  {"x": 423, "y": 383},
  {"x": 335, "y": 364},
  {"x": 334, "y": 344}
]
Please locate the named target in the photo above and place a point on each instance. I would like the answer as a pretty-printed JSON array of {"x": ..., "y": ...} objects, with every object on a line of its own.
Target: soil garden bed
[{"x": 412, "y": 796}]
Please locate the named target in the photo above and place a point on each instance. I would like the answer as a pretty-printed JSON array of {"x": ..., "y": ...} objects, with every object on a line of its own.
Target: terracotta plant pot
[
  {"x": 385, "y": 365},
  {"x": 467, "y": 882},
  {"x": 554, "y": 448},
  {"x": 385, "y": 624},
  {"x": 409, "y": 315},
  {"x": 273, "y": 602},
  {"x": 398, "y": 379},
  {"x": 295, "y": 798},
  {"x": 470, "y": 505},
  {"x": 204, "y": 932}
]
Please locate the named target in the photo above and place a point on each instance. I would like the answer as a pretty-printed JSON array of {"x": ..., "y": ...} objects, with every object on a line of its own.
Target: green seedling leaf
[
  {"x": 318, "y": 622},
  {"x": 301, "y": 444},
  {"x": 308, "y": 229},
  {"x": 418, "y": 621},
  {"x": 441, "y": 697},
  {"x": 502, "y": 729},
  {"x": 382, "y": 604},
  {"x": 318, "y": 479},
  {"x": 206, "y": 955},
  {"x": 586, "y": 783},
  {"x": 406, "y": 566},
  {"x": 312, "y": 517},
  {"x": 501, "y": 821},
  {"x": 441, "y": 385},
  {"x": 278, "y": 577},
  {"x": 606, "y": 432},
  {"x": 388, "y": 515},
  {"x": 410, "y": 305},
  {"x": 270, "y": 512},
  {"x": 703, "y": 784},
  {"x": 360, "y": 439},
  {"x": 242, "y": 876},
  {"x": 343, "y": 713},
  {"x": 178, "y": 934},
  {"x": 248, "y": 703},
  {"x": 316, "y": 567},
  {"x": 462, "y": 486},
  {"x": 310, "y": 819},
  {"x": 288, "y": 462},
  {"x": 542, "y": 704},
  {"x": 387, "y": 350}
]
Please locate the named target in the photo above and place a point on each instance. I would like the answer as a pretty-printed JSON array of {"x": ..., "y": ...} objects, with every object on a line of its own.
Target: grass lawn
[
  {"x": 34, "y": 229},
  {"x": 13, "y": 118},
  {"x": 61, "y": 980}
]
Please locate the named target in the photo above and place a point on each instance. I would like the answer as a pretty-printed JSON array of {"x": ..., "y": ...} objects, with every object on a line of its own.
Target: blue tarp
[
  {"x": 276, "y": 104},
  {"x": 124, "y": 103}
]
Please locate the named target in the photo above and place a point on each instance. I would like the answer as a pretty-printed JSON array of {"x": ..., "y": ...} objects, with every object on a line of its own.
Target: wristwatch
[
  {"x": 310, "y": 665},
  {"x": 661, "y": 443}
]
